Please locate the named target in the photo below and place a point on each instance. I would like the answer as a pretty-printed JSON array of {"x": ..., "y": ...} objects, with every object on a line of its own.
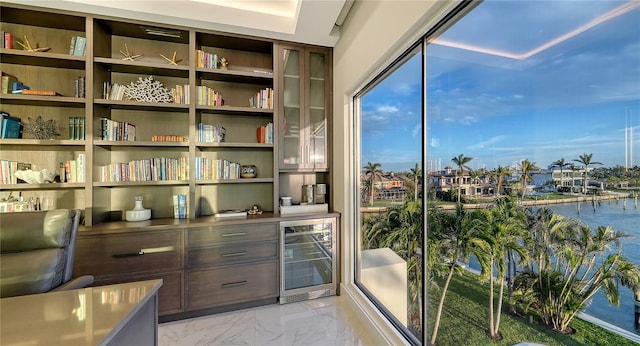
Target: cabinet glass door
[
  {"x": 307, "y": 254},
  {"x": 291, "y": 120},
  {"x": 317, "y": 111}
]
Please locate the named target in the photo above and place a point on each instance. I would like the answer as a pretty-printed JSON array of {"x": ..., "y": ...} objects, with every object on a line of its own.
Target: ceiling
[{"x": 304, "y": 21}]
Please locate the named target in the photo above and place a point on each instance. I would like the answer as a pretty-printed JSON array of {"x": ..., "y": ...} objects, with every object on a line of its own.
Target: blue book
[
  {"x": 79, "y": 48},
  {"x": 11, "y": 127}
]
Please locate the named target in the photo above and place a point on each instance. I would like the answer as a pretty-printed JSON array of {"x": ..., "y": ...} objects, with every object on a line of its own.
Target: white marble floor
[{"x": 323, "y": 322}]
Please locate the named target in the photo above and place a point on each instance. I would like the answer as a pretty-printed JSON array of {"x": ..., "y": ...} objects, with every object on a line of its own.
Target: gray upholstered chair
[{"x": 37, "y": 251}]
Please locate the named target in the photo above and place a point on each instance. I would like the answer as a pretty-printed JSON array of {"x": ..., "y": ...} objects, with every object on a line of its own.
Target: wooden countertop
[
  {"x": 203, "y": 221},
  {"x": 88, "y": 316}
]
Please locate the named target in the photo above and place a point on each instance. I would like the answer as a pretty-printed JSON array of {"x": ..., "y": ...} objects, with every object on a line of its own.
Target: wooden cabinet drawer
[
  {"x": 232, "y": 253},
  {"x": 232, "y": 284},
  {"x": 169, "y": 296},
  {"x": 207, "y": 236},
  {"x": 128, "y": 253}
]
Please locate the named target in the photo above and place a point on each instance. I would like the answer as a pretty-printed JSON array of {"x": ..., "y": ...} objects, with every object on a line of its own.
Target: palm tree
[
  {"x": 504, "y": 234},
  {"x": 501, "y": 173},
  {"x": 461, "y": 161},
  {"x": 526, "y": 167},
  {"x": 561, "y": 163},
  {"x": 374, "y": 172},
  {"x": 457, "y": 239},
  {"x": 474, "y": 175},
  {"x": 585, "y": 159},
  {"x": 416, "y": 174}
]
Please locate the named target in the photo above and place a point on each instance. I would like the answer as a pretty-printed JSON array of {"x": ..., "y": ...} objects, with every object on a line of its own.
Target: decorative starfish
[
  {"x": 127, "y": 55},
  {"x": 173, "y": 60},
  {"x": 27, "y": 46}
]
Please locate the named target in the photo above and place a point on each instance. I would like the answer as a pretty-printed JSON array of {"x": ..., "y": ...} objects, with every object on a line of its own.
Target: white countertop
[{"x": 85, "y": 316}]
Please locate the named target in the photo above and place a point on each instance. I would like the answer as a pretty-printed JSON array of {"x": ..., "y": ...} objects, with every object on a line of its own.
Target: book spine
[
  {"x": 8, "y": 40},
  {"x": 72, "y": 45},
  {"x": 79, "y": 48},
  {"x": 72, "y": 127}
]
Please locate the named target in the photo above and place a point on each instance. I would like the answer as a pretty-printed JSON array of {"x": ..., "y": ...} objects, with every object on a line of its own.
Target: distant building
[{"x": 447, "y": 180}]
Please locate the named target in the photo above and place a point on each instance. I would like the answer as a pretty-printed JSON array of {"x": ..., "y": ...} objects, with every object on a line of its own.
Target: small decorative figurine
[
  {"x": 173, "y": 60},
  {"x": 224, "y": 63},
  {"x": 255, "y": 210},
  {"x": 129, "y": 55},
  {"x": 27, "y": 46}
]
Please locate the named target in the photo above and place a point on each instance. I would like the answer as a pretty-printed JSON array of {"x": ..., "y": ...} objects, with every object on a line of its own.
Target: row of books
[
  {"x": 117, "y": 130},
  {"x": 70, "y": 171},
  {"x": 74, "y": 170},
  {"x": 79, "y": 87},
  {"x": 211, "y": 133},
  {"x": 181, "y": 206},
  {"x": 8, "y": 81},
  {"x": 153, "y": 169},
  {"x": 206, "y": 60},
  {"x": 77, "y": 128},
  {"x": 10, "y": 127},
  {"x": 263, "y": 99},
  {"x": 264, "y": 133},
  {"x": 169, "y": 138},
  {"x": 208, "y": 97},
  {"x": 9, "y": 168},
  {"x": 217, "y": 169},
  {"x": 181, "y": 94},
  {"x": 78, "y": 46}
]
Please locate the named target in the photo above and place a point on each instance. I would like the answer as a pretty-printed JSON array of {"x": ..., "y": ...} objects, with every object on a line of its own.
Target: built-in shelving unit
[{"x": 124, "y": 52}]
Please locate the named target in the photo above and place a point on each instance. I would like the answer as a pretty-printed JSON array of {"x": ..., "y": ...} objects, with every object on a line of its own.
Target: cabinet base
[{"x": 307, "y": 296}]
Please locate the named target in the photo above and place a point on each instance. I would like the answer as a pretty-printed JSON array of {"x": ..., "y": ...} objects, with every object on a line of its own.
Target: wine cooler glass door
[{"x": 308, "y": 254}]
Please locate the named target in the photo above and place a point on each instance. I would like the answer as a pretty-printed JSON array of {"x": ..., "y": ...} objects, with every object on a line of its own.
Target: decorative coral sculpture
[
  {"x": 148, "y": 90},
  {"x": 41, "y": 129}
]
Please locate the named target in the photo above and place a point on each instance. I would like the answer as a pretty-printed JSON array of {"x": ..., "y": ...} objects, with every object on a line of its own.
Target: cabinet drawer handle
[
  {"x": 128, "y": 254},
  {"x": 144, "y": 251},
  {"x": 238, "y": 234},
  {"x": 234, "y": 254},
  {"x": 234, "y": 284}
]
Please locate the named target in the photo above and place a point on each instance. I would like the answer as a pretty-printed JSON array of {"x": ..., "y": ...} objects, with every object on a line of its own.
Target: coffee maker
[{"x": 320, "y": 194}]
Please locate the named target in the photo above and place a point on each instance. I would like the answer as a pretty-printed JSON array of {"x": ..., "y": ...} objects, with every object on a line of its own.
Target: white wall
[{"x": 374, "y": 34}]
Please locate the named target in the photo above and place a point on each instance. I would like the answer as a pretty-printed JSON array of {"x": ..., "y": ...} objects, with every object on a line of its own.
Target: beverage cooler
[{"x": 308, "y": 259}]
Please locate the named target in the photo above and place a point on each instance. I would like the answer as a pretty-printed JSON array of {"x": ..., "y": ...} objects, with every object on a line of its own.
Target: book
[
  {"x": 40, "y": 92},
  {"x": 11, "y": 127},
  {"x": 261, "y": 134},
  {"x": 72, "y": 45},
  {"x": 80, "y": 167},
  {"x": 80, "y": 45},
  {"x": 8, "y": 40},
  {"x": 81, "y": 128},
  {"x": 230, "y": 213},
  {"x": 7, "y": 82},
  {"x": 72, "y": 127}
]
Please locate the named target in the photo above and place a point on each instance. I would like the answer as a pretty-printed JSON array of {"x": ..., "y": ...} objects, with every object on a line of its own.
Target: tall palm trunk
[
  {"x": 491, "y": 281},
  {"x": 434, "y": 335}
]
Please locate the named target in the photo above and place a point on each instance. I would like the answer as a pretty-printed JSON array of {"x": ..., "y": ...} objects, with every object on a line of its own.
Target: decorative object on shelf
[
  {"x": 255, "y": 210},
  {"x": 138, "y": 213},
  {"x": 129, "y": 55},
  {"x": 173, "y": 60},
  {"x": 27, "y": 46},
  {"x": 224, "y": 63},
  {"x": 41, "y": 129},
  {"x": 148, "y": 90},
  {"x": 36, "y": 177},
  {"x": 249, "y": 171}
]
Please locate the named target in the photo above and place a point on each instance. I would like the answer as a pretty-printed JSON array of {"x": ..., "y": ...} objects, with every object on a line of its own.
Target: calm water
[{"x": 611, "y": 213}]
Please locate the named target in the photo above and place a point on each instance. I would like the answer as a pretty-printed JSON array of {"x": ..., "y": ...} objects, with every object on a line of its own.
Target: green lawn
[{"x": 464, "y": 321}]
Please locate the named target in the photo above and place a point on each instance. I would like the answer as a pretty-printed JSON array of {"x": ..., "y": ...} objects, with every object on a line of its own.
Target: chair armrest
[{"x": 75, "y": 283}]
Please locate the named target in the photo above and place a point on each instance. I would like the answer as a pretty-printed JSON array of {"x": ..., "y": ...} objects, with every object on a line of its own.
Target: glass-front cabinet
[
  {"x": 306, "y": 83},
  {"x": 308, "y": 259}
]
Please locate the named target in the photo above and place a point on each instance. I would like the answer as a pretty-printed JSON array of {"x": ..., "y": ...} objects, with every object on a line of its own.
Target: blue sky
[{"x": 516, "y": 80}]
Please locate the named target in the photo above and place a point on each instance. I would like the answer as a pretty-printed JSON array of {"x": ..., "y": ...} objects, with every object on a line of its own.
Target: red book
[
  {"x": 8, "y": 40},
  {"x": 261, "y": 134}
]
